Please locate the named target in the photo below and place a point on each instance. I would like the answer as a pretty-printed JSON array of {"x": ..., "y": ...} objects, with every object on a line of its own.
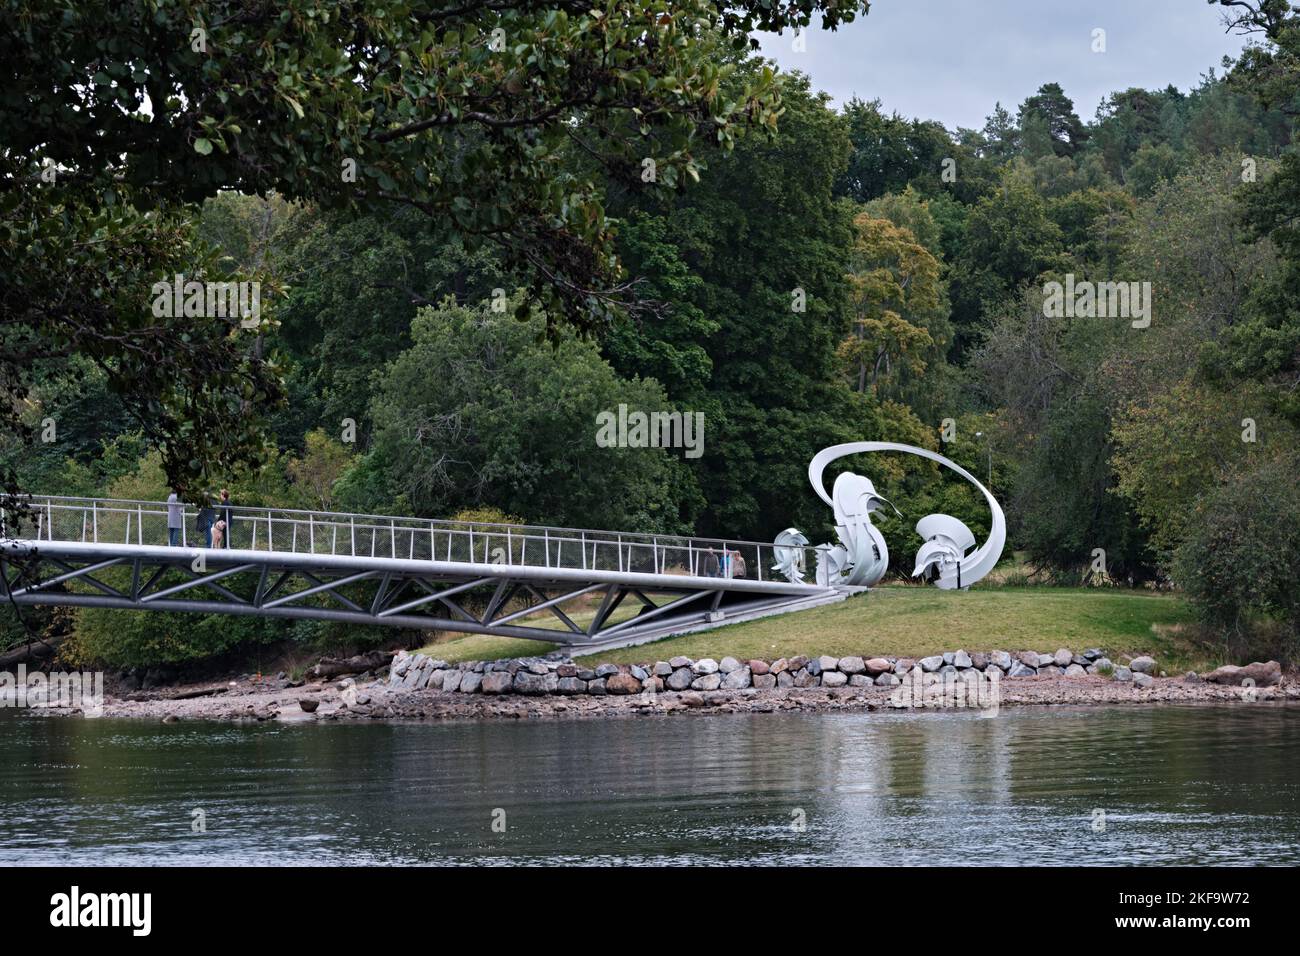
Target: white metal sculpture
[
  {"x": 861, "y": 558},
  {"x": 788, "y": 552}
]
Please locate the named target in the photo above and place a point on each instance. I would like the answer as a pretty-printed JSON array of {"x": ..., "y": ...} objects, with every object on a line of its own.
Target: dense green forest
[{"x": 840, "y": 273}]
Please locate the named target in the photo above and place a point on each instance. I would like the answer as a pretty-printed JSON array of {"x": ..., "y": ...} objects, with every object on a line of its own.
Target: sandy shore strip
[{"x": 261, "y": 699}]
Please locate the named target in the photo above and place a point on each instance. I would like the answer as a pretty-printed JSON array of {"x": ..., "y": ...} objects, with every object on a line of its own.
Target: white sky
[{"x": 951, "y": 60}]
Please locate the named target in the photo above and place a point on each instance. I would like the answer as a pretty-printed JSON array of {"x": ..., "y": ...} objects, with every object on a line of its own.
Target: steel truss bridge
[{"x": 579, "y": 588}]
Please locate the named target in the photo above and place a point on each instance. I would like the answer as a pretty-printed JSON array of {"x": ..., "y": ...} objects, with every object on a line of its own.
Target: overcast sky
[{"x": 951, "y": 60}]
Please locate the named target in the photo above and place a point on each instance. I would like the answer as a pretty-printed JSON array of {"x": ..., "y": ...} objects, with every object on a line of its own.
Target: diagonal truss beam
[{"x": 72, "y": 574}]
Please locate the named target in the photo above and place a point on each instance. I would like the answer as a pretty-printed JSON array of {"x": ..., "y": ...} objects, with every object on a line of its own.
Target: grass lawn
[{"x": 914, "y": 622}]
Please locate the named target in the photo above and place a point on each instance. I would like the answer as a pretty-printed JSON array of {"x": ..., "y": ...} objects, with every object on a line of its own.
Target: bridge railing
[{"x": 121, "y": 521}]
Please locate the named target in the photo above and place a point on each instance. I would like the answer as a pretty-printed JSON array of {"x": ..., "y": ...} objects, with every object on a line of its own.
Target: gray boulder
[
  {"x": 737, "y": 679},
  {"x": 728, "y": 664},
  {"x": 1020, "y": 669},
  {"x": 931, "y": 664},
  {"x": 1075, "y": 670},
  {"x": 852, "y": 665},
  {"x": 709, "y": 681},
  {"x": 1142, "y": 665},
  {"x": 570, "y": 685},
  {"x": 961, "y": 659},
  {"x": 497, "y": 682},
  {"x": 526, "y": 682},
  {"x": 679, "y": 661},
  {"x": 680, "y": 679},
  {"x": 1123, "y": 673},
  {"x": 1002, "y": 659},
  {"x": 834, "y": 679},
  {"x": 704, "y": 667},
  {"x": 471, "y": 682},
  {"x": 1063, "y": 657}
]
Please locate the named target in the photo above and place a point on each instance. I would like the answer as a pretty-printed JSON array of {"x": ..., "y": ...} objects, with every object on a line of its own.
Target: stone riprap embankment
[
  {"x": 536, "y": 676},
  {"x": 421, "y": 688}
]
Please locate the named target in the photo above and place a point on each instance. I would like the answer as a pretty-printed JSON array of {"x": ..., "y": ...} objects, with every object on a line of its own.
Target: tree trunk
[
  {"x": 31, "y": 652},
  {"x": 334, "y": 667}
]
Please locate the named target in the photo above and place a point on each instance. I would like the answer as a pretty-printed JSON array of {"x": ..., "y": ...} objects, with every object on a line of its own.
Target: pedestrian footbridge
[{"x": 579, "y": 588}]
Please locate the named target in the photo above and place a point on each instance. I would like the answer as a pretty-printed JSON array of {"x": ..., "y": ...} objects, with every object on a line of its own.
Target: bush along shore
[{"x": 416, "y": 686}]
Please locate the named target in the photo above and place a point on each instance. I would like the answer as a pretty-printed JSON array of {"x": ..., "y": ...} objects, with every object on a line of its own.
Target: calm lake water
[{"x": 1178, "y": 784}]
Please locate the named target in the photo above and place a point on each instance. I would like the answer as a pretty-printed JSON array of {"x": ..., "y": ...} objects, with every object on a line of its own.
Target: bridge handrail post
[
  {"x": 583, "y": 544},
  {"x": 392, "y": 542},
  {"x": 139, "y": 524},
  {"x": 94, "y": 517},
  {"x": 546, "y": 543},
  {"x": 311, "y": 535},
  {"x": 270, "y": 542}
]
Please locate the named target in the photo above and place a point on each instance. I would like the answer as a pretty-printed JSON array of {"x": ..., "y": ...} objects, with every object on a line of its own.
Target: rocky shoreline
[{"x": 420, "y": 688}]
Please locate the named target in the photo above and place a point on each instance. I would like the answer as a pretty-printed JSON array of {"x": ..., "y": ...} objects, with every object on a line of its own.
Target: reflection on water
[{"x": 1186, "y": 785}]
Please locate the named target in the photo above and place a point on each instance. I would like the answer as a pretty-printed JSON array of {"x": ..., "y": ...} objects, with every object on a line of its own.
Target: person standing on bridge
[
  {"x": 205, "y": 519},
  {"x": 710, "y": 564},
  {"x": 738, "y": 568},
  {"x": 175, "y": 518},
  {"x": 224, "y": 515}
]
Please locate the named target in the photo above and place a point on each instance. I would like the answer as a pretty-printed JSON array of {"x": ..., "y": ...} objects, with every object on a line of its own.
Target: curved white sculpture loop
[
  {"x": 788, "y": 552},
  {"x": 861, "y": 558}
]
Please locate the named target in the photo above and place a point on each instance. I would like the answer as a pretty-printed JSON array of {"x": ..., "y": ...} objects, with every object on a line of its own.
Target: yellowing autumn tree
[{"x": 895, "y": 293}]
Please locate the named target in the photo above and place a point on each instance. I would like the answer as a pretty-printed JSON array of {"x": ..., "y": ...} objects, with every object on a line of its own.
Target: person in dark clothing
[
  {"x": 711, "y": 564},
  {"x": 204, "y": 521}
]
